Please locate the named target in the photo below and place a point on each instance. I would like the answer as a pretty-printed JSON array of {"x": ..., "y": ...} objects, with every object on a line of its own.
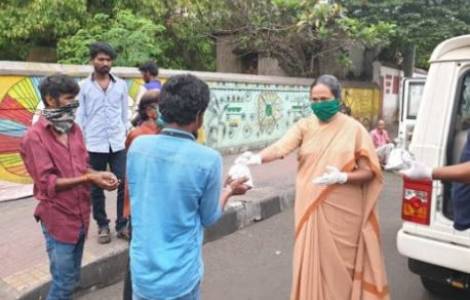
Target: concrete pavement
[{"x": 24, "y": 273}]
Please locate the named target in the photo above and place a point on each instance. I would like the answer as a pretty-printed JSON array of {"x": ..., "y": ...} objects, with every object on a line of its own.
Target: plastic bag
[
  {"x": 238, "y": 171},
  {"x": 399, "y": 159},
  {"x": 383, "y": 152}
]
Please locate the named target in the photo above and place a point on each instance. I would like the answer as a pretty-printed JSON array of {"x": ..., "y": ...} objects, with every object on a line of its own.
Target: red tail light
[{"x": 416, "y": 206}]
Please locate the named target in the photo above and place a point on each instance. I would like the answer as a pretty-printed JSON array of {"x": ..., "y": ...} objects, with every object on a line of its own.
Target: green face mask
[{"x": 325, "y": 110}]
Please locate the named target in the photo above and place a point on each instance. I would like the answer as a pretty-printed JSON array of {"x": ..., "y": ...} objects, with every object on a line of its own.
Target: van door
[{"x": 412, "y": 93}]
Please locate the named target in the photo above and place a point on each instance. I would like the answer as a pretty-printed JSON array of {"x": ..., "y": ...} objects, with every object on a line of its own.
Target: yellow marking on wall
[{"x": 6, "y": 82}]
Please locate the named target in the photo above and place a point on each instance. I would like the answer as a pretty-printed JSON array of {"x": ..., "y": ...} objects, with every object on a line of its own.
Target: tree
[
  {"x": 420, "y": 25},
  {"x": 298, "y": 33},
  {"x": 132, "y": 37},
  {"x": 28, "y": 23}
]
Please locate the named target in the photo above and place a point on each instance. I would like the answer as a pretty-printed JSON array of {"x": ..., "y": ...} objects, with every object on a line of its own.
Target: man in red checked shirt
[{"x": 56, "y": 158}]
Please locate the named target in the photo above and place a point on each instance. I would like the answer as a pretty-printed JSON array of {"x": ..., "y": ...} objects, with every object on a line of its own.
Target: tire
[{"x": 442, "y": 288}]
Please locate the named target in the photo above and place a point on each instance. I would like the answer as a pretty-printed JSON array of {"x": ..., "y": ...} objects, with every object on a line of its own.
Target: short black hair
[
  {"x": 102, "y": 47},
  {"x": 56, "y": 85},
  {"x": 149, "y": 66},
  {"x": 182, "y": 98}
]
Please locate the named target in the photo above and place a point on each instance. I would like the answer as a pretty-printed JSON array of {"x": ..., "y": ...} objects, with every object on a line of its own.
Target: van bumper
[{"x": 434, "y": 252}]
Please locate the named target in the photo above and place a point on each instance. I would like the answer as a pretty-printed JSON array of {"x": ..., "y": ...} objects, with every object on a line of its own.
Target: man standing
[
  {"x": 56, "y": 158},
  {"x": 103, "y": 117},
  {"x": 175, "y": 188}
]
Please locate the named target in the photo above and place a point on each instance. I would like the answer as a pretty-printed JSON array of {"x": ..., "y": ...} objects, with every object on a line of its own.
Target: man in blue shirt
[
  {"x": 103, "y": 117},
  {"x": 175, "y": 191},
  {"x": 149, "y": 71}
]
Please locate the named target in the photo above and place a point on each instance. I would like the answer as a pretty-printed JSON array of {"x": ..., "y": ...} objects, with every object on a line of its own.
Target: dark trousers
[{"x": 117, "y": 163}]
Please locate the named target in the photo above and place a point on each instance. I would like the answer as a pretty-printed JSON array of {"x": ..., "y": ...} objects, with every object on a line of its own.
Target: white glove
[
  {"x": 248, "y": 158},
  {"x": 417, "y": 171},
  {"x": 238, "y": 171},
  {"x": 331, "y": 176}
]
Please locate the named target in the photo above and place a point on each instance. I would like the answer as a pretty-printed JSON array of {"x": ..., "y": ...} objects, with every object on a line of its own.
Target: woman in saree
[{"x": 337, "y": 251}]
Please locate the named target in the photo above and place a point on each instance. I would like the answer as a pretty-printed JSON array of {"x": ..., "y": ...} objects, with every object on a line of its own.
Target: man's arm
[
  {"x": 39, "y": 164},
  {"x": 125, "y": 107},
  {"x": 458, "y": 173},
  {"x": 211, "y": 203},
  {"x": 105, "y": 180}
]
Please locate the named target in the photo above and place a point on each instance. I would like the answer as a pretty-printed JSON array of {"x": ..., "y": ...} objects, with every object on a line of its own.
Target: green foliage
[
  {"x": 182, "y": 33},
  {"x": 424, "y": 23},
  {"x": 131, "y": 36},
  {"x": 37, "y": 23}
]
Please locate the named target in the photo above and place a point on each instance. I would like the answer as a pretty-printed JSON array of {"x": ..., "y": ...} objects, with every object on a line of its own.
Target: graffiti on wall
[{"x": 240, "y": 115}]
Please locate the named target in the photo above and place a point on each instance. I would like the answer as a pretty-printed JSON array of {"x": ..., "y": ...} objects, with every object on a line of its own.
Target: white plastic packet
[
  {"x": 238, "y": 171},
  {"x": 383, "y": 152},
  {"x": 399, "y": 159}
]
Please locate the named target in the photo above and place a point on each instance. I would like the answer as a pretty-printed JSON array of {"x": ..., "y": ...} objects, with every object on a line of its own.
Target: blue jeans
[
  {"x": 195, "y": 294},
  {"x": 65, "y": 261}
]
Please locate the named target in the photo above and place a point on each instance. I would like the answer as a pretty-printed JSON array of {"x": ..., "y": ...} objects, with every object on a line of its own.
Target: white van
[{"x": 436, "y": 251}]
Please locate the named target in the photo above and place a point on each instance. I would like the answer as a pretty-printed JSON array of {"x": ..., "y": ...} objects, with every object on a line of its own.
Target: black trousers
[{"x": 117, "y": 164}]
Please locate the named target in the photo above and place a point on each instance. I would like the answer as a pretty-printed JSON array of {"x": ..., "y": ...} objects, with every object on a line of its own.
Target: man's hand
[
  {"x": 104, "y": 180},
  {"x": 418, "y": 171},
  {"x": 237, "y": 186}
]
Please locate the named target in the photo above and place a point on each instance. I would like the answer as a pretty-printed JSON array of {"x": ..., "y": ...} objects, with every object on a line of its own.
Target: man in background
[{"x": 103, "y": 117}]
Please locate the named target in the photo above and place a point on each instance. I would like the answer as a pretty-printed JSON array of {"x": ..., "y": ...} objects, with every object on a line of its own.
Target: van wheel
[{"x": 440, "y": 288}]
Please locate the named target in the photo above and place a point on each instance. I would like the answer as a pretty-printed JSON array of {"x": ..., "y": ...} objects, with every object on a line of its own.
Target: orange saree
[{"x": 337, "y": 252}]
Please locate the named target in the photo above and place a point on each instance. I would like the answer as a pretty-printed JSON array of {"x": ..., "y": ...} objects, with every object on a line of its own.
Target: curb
[{"x": 258, "y": 205}]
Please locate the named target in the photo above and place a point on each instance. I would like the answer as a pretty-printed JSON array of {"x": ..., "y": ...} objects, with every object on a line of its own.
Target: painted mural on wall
[
  {"x": 244, "y": 114},
  {"x": 239, "y": 116},
  {"x": 20, "y": 103}
]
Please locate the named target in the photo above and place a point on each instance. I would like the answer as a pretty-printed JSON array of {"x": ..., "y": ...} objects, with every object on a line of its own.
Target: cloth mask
[
  {"x": 325, "y": 110},
  {"x": 61, "y": 118}
]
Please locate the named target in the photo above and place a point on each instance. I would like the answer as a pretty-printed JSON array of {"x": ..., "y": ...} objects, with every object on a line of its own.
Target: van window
[
  {"x": 458, "y": 136},
  {"x": 415, "y": 94},
  {"x": 464, "y": 109}
]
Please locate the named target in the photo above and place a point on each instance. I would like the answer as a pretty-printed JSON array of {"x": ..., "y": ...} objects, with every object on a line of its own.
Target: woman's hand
[
  {"x": 332, "y": 176},
  {"x": 249, "y": 158}
]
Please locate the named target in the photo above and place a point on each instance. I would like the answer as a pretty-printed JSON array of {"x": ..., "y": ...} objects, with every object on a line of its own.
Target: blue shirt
[
  {"x": 103, "y": 114},
  {"x": 153, "y": 85},
  {"x": 461, "y": 196},
  {"x": 174, "y": 186}
]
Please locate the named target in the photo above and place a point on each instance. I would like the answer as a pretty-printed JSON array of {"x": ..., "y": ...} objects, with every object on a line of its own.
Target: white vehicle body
[{"x": 436, "y": 250}]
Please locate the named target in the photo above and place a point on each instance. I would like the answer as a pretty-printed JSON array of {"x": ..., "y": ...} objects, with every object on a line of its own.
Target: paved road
[{"x": 255, "y": 263}]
